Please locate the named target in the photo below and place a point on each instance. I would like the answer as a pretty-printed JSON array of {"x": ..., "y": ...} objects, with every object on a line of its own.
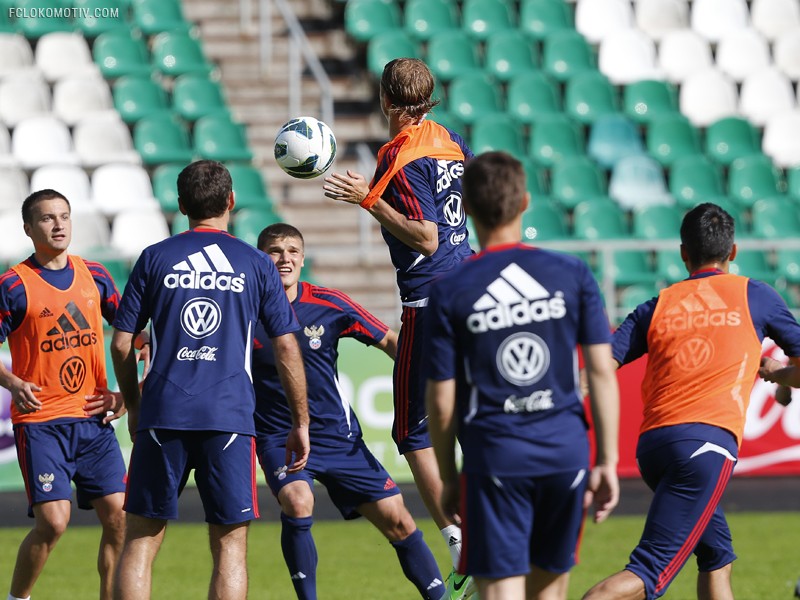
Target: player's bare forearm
[
  {"x": 22, "y": 392},
  {"x": 775, "y": 372},
  {"x": 123, "y": 355},
  {"x": 389, "y": 344},
  {"x": 440, "y": 403},
  {"x": 289, "y": 363},
  {"x": 421, "y": 236},
  {"x": 604, "y": 400}
]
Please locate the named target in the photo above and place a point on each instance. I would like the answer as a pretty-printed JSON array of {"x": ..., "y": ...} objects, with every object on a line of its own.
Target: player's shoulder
[
  {"x": 317, "y": 294},
  {"x": 9, "y": 279}
]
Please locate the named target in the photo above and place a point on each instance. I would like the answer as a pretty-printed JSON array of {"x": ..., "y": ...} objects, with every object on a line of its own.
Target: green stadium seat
[
  {"x": 612, "y": 138},
  {"x": 576, "y": 179},
  {"x": 180, "y": 223},
  {"x": 136, "y": 97},
  {"x": 590, "y": 95},
  {"x": 543, "y": 221},
  {"x": 473, "y": 96},
  {"x": 531, "y": 95},
  {"x": 177, "y": 53},
  {"x": 195, "y": 96},
  {"x": 535, "y": 179},
  {"x": 731, "y": 138},
  {"x": 91, "y": 25},
  {"x": 365, "y": 19},
  {"x": 565, "y": 54},
  {"x": 249, "y": 222},
  {"x": 509, "y": 53},
  {"x": 218, "y": 137},
  {"x": 425, "y": 18},
  {"x": 599, "y": 219},
  {"x": 671, "y": 137},
  {"x": 793, "y": 182},
  {"x": 539, "y": 18},
  {"x": 788, "y": 265},
  {"x": 451, "y": 54},
  {"x": 482, "y": 18},
  {"x": 118, "y": 53},
  {"x": 472, "y": 236},
  {"x": 155, "y": 16},
  {"x": 6, "y": 26},
  {"x": 449, "y": 120},
  {"x": 670, "y": 267},
  {"x": 248, "y": 187},
  {"x": 165, "y": 186},
  {"x": 775, "y": 217},
  {"x": 42, "y": 17},
  {"x": 657, "y": 222},
  {"x": 497, "y": 132},
  {"x": 387, "y": 46},
  {"x": 754, "y": 177},
  {"x": 694, "y": 179},
  {"x": 634, "y": 295},
  {"x": 754, "y": 264},
  {"x": 554, "y": 138},
  {"x": 162, "y": 139},
  {"x": 633, "y": 267},
  {"x": 645, "y": 100}
]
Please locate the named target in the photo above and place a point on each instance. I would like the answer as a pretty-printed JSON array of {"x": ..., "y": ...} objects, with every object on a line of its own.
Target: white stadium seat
[
  {"x": 14, "y": 244},
  {"x": 713, "y": 19},
  {"x": 638, "y": 181},
  {"x": 41, "y": 141},
  {"x": 7, "y": 159},
  {"x": 765, "y": 93},
  {"x": 708, "y": 96},
  {"x": 628, "y": 56},
  {"x": 683, "y": 52},
  {"x": 69, "y": 180},
  {"x": 118, "y": 187},
  {"x": 22, "y": 96},
  {"x": 775, "y": 17},
  {"x": 598, "y": 19},
  {"x": 782, "y": 139},
  {"x": 741, "y": 53},
  {"x": 15, "y": 54},
  {"x": 786, "y": 53},
  {"x": 90, "y": 231},
  {"x": 658, "y": 17},
  {"x": 133, "y": 230},
  {"x": 60, "y": 54},
  {"x": 104, "y": 139},
  {"x": 76, "y": 97},
  {"x": 14, "y": 188}
]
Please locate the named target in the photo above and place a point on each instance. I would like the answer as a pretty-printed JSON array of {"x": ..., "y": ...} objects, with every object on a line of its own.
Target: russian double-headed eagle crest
[{"x": 314, "y": 334}]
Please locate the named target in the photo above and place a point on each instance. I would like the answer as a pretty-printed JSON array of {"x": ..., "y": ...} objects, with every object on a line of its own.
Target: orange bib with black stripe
[
  {"x": 703, "y": 355},
  {"x": 59, "y": 345}
]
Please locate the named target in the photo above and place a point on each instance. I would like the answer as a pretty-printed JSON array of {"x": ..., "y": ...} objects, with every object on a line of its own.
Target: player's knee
[
  {"x": 52, "y": 527},
  {"x": 296, "y": 501},
  {"x": 400, "y": 526}
]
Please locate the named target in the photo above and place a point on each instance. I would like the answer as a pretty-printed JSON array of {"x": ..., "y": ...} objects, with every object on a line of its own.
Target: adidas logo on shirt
[
  {"x": 45, "y": 313},
  {"x": 702, "y": 308},
  {"x": 72, "y": 331},
  {"x": 514, "y": 298},
  {"x": 208, "y": 269}
]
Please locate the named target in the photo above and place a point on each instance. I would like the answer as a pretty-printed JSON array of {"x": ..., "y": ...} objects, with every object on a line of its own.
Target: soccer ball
[{"x": 305, "y": 147}]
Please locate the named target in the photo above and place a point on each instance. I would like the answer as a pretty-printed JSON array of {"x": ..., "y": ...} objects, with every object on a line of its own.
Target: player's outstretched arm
[
  {"x": 289, "y": 362},
  {"x": 603, "y": 492},
  {"x": 123, "y": 355},
  {"x": 440, "y": 403},
  {"x": 785, "y": 376},
  {"x": 389, "y": 344}
]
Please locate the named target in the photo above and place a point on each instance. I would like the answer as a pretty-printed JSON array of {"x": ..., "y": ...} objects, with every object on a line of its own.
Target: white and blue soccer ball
[{"x": 305, "y": 147}]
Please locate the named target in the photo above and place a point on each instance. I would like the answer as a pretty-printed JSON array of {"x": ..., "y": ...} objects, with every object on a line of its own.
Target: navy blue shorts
[
  {"x": 351, "y": 474},
  {"x": 410, "y": 427},
  {"x": 53, "y": 455},
  {"x": 510, "y": 523},
  {"x": 224, "y": 470},
  {"x": 688, "y": 467}
]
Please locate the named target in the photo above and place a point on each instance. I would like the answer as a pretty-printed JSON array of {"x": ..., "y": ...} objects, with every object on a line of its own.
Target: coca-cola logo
[{"x": 201, "y": 353}]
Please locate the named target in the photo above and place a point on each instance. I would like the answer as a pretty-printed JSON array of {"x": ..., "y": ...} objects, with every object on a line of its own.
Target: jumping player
[
  {"x": 703, "y": 340},
  {"x": 52, "y": 307},
  {"x": 415, "y": 195},
  {"x": 203, "y": 291},
  {"x": 357, "y": 483},
  {"x": 504, "y": 328}
]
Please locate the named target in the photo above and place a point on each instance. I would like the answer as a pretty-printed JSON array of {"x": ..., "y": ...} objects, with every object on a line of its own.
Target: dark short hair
[
  {"x": 277, "y": 231},
  {"x": 38, "y": 196},
  {"x": 707, "y": 234},
  {"x": 409, "y": 84},
  {"x": 204, "y": 188},
  {"x": 494, "y": 188}
]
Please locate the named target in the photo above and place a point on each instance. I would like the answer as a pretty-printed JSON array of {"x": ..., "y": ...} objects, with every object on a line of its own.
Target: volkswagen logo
[
  {"x": 694, "y": 353},
  {"x": 200, "y": 317},
  {"x": 523, "y": 358},
  {"x": 72, "y": 374},
  {"x": 453, "y": 211}
]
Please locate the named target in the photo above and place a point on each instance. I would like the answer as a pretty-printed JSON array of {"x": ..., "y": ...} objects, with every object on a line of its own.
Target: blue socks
[
  {"x": 300, "y": 555},
  {"x": 419, "y": 566}
]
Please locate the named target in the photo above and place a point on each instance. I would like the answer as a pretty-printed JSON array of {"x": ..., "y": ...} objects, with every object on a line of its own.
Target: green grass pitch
[{"x": 357, "y": 563}]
